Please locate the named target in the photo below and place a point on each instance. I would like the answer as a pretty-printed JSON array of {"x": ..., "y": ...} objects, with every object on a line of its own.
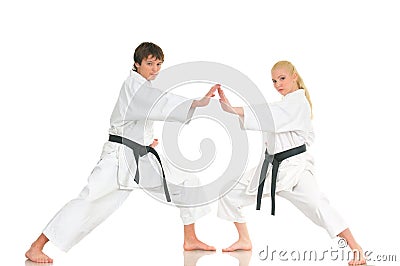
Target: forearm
[{"x": 195, "y": 104}]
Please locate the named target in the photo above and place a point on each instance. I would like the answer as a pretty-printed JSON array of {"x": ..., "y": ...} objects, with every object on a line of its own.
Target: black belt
[
  {"x": 139, "y": 151},
  {"x": 276, "y": 160}
]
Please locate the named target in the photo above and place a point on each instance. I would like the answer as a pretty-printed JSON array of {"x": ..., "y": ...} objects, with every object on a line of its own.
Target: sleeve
[
  {"x": 149, "y": 103},
  {"x": 279, "y": 117}
]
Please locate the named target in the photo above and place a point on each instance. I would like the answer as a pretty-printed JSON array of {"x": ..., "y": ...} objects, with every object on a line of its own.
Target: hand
[
  {"x": 226, "y": 105},
  {"x": 206, "y": 99},
  {"x": 154, "y": 144}
]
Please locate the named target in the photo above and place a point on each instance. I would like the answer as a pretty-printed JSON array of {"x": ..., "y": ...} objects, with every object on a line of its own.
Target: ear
[
  {"x": 295, "y": 76},
  {"x": 137, "y": 65}
]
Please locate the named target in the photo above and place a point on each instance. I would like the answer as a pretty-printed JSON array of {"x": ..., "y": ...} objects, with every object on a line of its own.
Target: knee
[{"x": 316, "y": 209}]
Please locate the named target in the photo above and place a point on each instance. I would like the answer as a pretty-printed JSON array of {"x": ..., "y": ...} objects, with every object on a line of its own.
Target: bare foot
[
  {"x": 241, "y": 244},
  {"x": 359, "y": 258},
  {"x": 36, "y": 254},
  {"x": 196, "y": 244}
]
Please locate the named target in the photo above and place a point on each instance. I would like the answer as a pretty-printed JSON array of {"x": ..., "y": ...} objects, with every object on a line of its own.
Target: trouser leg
[
  {"x": 307, "y": 197},
  {"x": 187, "y": 196},
  {"x": 97, "y": 201},
  {"x": 192, "y": 205},
  {"x": 231, "y": 204}
]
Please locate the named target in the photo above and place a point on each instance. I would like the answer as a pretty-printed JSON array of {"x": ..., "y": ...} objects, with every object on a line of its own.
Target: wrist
[
  {"x": 239, "y": 111},
  {"x": 194, "y": 104}
]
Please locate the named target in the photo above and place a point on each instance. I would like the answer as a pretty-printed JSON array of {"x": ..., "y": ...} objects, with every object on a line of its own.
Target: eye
[
  {"x": 282, "y": 78},
  {"x": 149, "y": 63},
  {"x": 159, "y": 64},
  {"x": 273, "y": 81}
]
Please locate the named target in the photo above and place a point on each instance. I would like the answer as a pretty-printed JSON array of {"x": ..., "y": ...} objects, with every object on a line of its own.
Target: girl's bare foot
[
  {"x": 241, "y": 244},
  {"x": 244, "y": 242},
  {"x": 358, "y": 253},
  {"x": 358, "y": 256}
]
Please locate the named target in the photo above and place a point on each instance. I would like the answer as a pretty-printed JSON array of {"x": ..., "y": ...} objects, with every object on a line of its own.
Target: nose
[{"x": 156, "y": 68}]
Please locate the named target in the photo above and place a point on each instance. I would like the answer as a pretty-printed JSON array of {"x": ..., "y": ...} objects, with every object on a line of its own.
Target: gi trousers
[
  {"x": 100, "y": 198},
  {"x": 305, "y": 195}
]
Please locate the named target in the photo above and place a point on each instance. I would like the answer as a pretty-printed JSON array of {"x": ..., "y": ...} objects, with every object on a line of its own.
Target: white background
[{"x": 62, "y": 64}]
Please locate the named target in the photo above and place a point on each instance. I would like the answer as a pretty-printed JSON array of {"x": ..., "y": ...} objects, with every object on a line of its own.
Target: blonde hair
[{"x": 300, "y": 83}]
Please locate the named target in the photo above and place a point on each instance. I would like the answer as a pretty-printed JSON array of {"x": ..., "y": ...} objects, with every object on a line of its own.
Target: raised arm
[{"x": 226, "y": 105}]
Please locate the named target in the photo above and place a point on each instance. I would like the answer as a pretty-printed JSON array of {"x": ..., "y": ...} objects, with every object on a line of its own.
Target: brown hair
[{"x": 144, "y": 50}]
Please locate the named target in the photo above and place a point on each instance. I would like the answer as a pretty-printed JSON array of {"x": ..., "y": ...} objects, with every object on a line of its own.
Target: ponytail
[{"x": 301, "y": 85}]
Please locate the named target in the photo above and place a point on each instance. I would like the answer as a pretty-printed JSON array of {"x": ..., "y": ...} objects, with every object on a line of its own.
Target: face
[
  {"x": 283, "y": 81},
  {"x": 149, "y": 67}
]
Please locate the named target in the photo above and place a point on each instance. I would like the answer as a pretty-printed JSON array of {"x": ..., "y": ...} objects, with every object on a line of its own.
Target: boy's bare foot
[
  {"x": 195, "y": 244},
  {"x": 191, "y": 242},
  {"x": 36, "y": 254},
  {"x": 241, "y": 244}
]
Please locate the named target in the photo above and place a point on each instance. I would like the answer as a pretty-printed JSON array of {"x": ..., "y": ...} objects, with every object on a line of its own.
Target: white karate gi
[
  {"x": 291, "y": 127},
  {"x": 112, "y": 180}
]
